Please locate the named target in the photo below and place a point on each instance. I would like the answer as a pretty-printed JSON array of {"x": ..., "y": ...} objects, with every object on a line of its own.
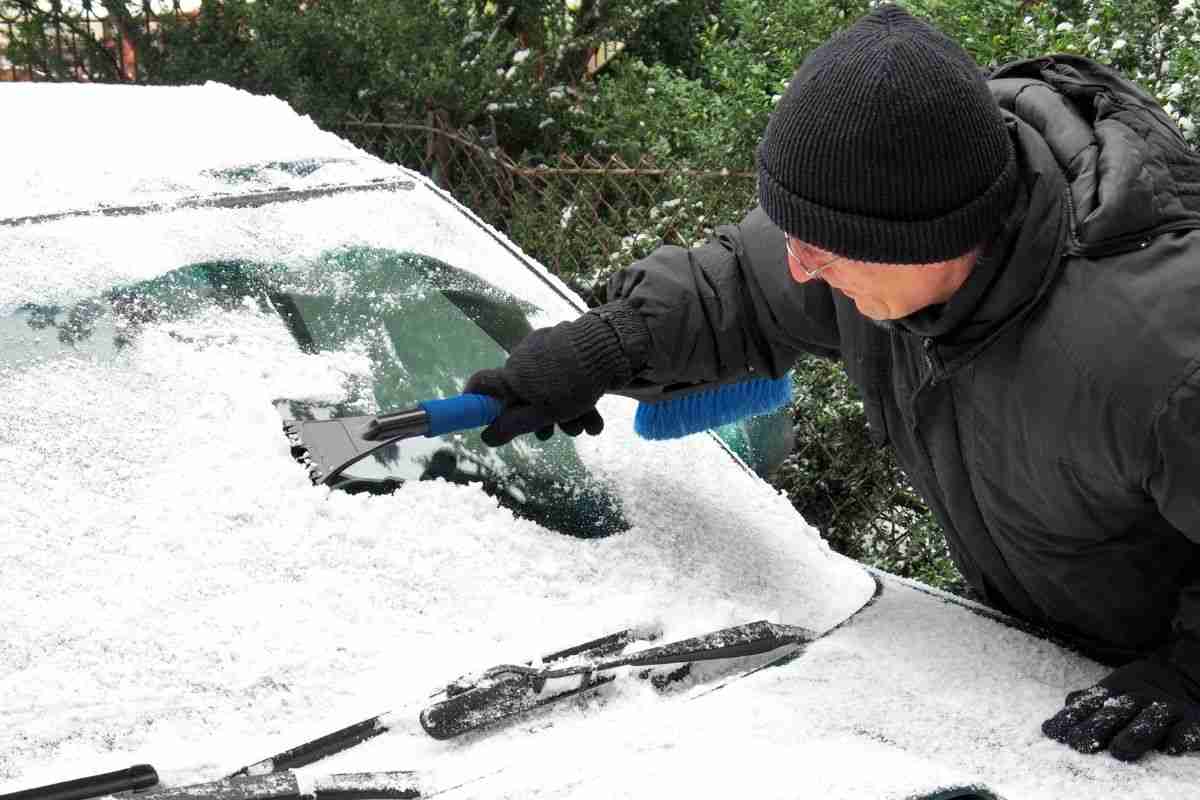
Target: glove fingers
[
  {"x": 1079, "y": 706},
  {"x": 590, "y": 421},
  {"x": 593, "y": 423},
  {"x": 1183, "y": 738},
  {"x": 490, "y": 382},
  {"x": 1148, "y": 729},
  {"x": 1094, "y": 733},
  {"x": 512, "y": 423},
  {"x": 495, "y": 437}
]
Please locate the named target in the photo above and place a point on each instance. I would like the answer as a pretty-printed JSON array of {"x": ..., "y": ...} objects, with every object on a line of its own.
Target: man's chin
[
  {"x": 878, "y": 313},
  {"x": 874, "y": 313}
]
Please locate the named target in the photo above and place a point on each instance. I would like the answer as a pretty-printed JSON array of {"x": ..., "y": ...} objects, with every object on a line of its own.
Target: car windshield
[{"x": 413, "y": 327}]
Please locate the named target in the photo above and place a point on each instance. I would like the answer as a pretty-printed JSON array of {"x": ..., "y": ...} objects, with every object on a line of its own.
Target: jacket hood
[
  {"x": 1104, "y": 170},
  {"x": 1131, "y": 173}
]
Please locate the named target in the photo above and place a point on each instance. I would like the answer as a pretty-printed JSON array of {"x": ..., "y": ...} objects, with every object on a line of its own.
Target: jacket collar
[{"x": 1015, "y": 269}]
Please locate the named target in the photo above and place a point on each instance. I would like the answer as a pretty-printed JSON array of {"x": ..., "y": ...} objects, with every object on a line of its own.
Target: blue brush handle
[{"x": 460, "y": 413}]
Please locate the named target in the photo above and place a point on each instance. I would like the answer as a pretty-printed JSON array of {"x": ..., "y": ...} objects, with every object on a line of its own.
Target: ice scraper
[{"x": 329, "y": 446}]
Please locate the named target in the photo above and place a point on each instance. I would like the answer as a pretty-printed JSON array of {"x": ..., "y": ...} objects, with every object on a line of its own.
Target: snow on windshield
[
  {"x": 169, "y": 575},
  {"x": 67, "y": 260},
  {"x": 174, "y": 590}
]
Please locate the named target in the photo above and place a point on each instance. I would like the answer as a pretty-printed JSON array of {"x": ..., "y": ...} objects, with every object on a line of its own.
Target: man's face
[{"x": 879, "y": 291}]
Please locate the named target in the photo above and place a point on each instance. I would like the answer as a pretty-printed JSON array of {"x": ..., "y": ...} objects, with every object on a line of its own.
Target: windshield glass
[{"x": 415, "y": 328}]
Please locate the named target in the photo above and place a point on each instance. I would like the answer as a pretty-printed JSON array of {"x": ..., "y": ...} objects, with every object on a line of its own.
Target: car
[{"x": 176, "y": 591}]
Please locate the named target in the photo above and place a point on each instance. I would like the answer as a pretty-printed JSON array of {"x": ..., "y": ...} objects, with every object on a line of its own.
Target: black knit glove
[
  {"x": 556, "y": 375},
  {"x": 1141, "y": 706}
]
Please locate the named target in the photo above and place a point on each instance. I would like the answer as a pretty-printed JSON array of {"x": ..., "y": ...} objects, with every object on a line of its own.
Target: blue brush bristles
[{"x": 711, "y": 408}]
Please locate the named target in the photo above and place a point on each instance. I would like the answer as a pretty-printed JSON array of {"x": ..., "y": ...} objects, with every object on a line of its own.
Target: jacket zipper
[
  {"x": 929, "y": 380},
  {"x": 1117, "y": 244},
  {"x": 932, "y": 360},
  {"x": 1127, "y": 243},
  {"x": 963, "y": 555}
]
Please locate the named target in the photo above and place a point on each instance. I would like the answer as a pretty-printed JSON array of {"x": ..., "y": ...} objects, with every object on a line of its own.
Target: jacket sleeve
[
  {"x": 728, "y": 308},
  {"x": 1175, "y": 486}
]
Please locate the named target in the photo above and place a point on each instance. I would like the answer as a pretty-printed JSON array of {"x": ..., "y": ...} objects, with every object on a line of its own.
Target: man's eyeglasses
[{"x": 795, "y": 248}]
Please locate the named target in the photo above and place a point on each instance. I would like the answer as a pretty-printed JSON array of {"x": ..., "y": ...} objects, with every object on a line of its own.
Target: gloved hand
[
  {"x": 1141, "y": 706},
  {"x": 556, "y": 375}
]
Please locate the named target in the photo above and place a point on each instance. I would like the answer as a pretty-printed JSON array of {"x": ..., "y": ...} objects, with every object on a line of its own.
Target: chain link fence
[
  {"x": 581, "y": 217},
  {"x": 584, "y": 217}
]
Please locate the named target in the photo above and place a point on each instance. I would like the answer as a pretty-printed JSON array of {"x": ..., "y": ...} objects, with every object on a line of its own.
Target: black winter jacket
[{"x": 1050, "y": 412}]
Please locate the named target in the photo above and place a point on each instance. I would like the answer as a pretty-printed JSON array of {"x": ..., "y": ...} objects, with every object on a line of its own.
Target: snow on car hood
[{"x": 912, "y": 696}]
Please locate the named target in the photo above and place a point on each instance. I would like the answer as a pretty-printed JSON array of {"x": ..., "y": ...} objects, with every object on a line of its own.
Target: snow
[
  {"x": 911, "y": 694},
  {"x": 197, "y": 130},
  {"x": 92, "y": 253},
  {"x": 174, "y": 591},
  {"x": 170, "y": 577}
]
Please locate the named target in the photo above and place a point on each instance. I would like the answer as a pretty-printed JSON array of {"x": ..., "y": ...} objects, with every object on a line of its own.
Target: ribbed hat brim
[{"x": 897, "y": 241}]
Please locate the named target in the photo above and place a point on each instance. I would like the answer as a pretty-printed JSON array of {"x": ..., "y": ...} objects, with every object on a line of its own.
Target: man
[{"x": 1010, "y": 272}]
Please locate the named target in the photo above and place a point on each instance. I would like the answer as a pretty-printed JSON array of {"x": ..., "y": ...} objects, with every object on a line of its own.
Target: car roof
[{"x": 79, "y": 148}]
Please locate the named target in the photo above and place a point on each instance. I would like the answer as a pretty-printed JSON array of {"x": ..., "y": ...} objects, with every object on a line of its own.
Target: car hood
[{"x": 916, "y": 695}]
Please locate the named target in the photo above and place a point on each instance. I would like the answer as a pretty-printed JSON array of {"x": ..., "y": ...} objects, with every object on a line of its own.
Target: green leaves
[{"x": 1155, "y": 42}]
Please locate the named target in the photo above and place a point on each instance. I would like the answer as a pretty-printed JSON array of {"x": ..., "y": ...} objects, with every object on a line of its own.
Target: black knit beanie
[{"x": 888, "y": 146}]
